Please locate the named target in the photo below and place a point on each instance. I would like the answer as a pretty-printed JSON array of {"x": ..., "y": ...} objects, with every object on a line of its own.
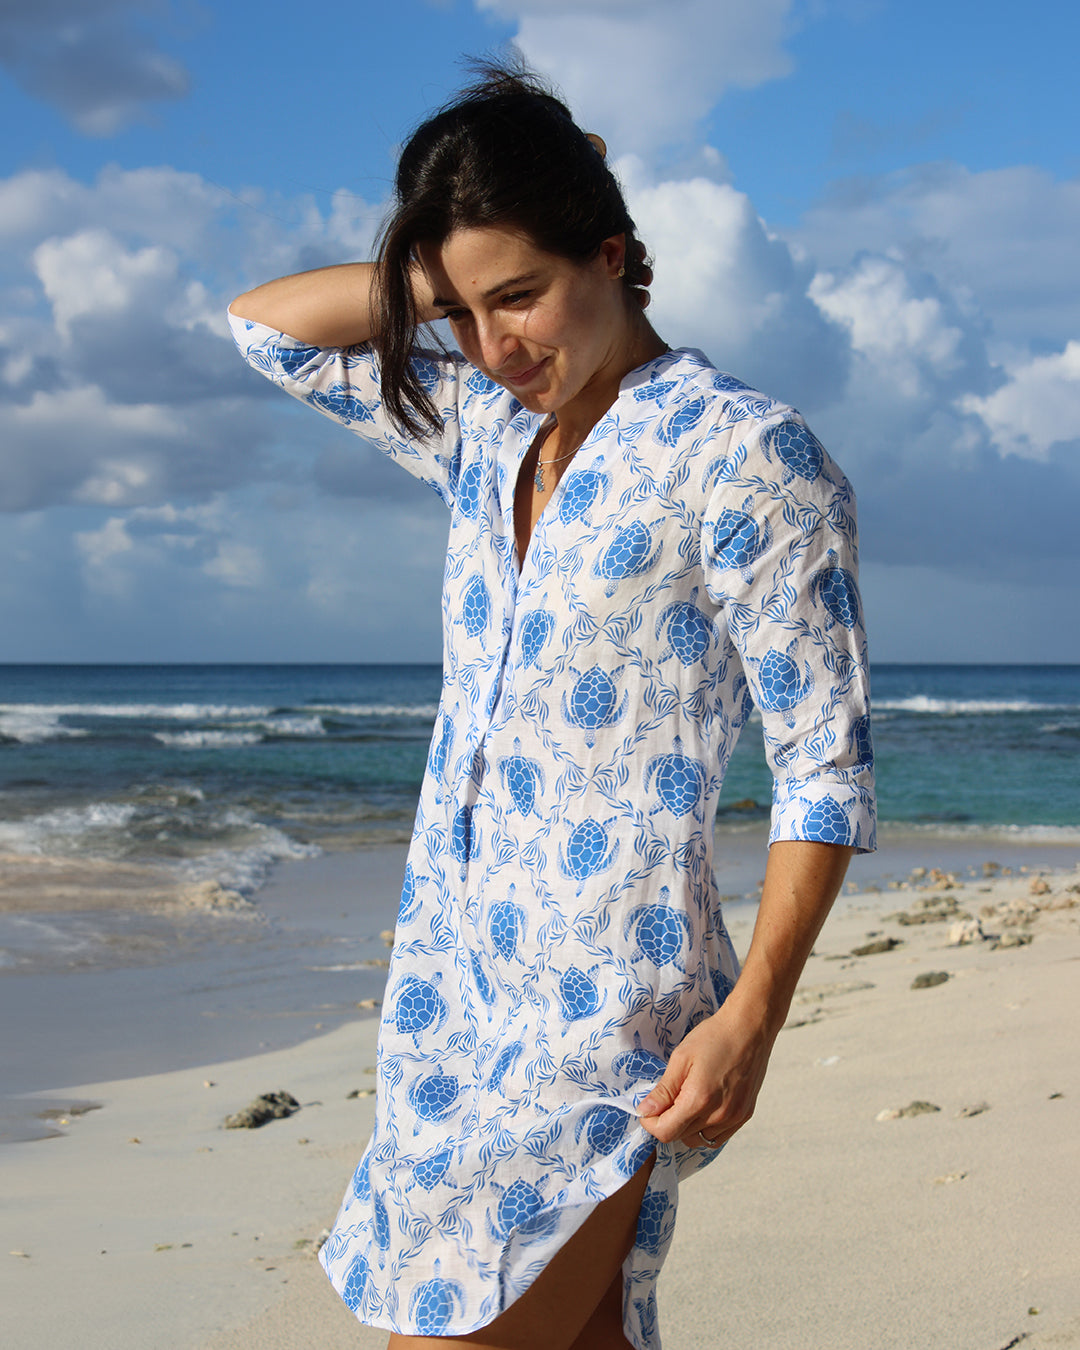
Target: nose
[{"x": 497, "y": 343}]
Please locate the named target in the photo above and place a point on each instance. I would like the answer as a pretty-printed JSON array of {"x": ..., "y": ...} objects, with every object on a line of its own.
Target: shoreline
[{"x": 943, "y": 1228}]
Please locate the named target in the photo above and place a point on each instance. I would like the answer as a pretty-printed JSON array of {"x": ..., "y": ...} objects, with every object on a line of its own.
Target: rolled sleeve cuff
[{"x": 825, "y": 809}]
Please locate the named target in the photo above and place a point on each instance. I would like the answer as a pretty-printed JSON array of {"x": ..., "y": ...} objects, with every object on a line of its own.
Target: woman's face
[{"x": 544, "y": 327}]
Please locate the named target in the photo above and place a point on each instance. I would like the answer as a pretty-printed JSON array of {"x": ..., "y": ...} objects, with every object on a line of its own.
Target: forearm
[
  {"x": 329, "y": 307},
  {"x": 802, "y": 879}
]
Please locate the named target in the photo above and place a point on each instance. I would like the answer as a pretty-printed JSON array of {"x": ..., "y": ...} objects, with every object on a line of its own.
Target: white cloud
[
  {"x": 644, "y": 75},
  {"x": 1038, "y": 408}
]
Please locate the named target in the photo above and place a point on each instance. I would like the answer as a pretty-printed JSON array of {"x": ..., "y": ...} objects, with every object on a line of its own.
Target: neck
[{"x": 576, "y": 419}]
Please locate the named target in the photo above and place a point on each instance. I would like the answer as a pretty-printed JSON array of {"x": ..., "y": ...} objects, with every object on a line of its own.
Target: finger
[{"x": 661, "y": 1098}]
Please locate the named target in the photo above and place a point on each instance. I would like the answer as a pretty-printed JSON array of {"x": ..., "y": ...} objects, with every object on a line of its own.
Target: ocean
[{"x": 234, "y": 788}]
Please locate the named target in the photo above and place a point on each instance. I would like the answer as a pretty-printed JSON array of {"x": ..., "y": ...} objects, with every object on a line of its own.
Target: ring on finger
[{"x": 709, "y": 1143}]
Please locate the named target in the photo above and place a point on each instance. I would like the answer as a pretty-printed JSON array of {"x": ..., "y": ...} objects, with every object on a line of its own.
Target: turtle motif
[
  {"x": 441, "y": 748},
  {"x": 728, "y": 384},
  {"x": 628, "y": 555},
  {"x": 356, "y": 1283},
  {"x": 475, "y": 606},
  {"x": 479, "y": 383},
  {"x": 827, "y": 821},
  {"x": 434, "y": 1096},
  {"x": 629, "y": 1163},
  {"x": 654, "y": 1226},
  {"x": 433, "y": 1304},
  {"x": 469, "y": 489},
  {"x": 428, "y": 1172},
  {"x": 859, "y": 740},
  {"x": 722, "y": 984},
  {"x": 639, "y": 1064},
  {"x": 690, "y": 631},
  {"x": 797, "y": 449},
  {"x": 580, "y": 491},
  {"x": 508, "y": 1057},
  {"x": 410, "y": 901},
  {"x": 427, "y": 372},
  {"x": 780, "y": 687},
  {"x": 341, "y": 402},
  {"x": 603, "y": 1127},
  {"x": 579, "y": 996},
  {"x": 536, "y": 628},
  {"x": 418, "y": 1005},
  {"x": 521, "y": 1212},
  {"x": 380, "y": 1222},
  {"x": 361, "y": 1182},
  {"x": 587, "y": 851},
  {"x": 659, "y": 932},
  {"x": 591, "y": 703},
  {"x": 680, "y": 781},
  {"x": 653, "y": 389},
  {"x": 738, "y": 540},
  {"x": 507, "y": 924},
  {"x": 464, "y": 840},
  {"x": 646, "y": 1311},
  {"x": 680, "y": 421},
  {"x": 521, "y": 776},
  {"x": 293, "y": 359},
  {"x": 484, "y": 987},
  {"x": 838, "y": 591}
]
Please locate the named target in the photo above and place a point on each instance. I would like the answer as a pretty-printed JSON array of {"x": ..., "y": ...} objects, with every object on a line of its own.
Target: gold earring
[{"x": 622, "y": 271}]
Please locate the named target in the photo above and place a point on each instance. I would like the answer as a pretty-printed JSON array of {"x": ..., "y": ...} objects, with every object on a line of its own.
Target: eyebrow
[{"x": 493, "y": 290}]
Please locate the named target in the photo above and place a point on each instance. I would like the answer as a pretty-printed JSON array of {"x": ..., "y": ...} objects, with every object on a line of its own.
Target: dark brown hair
[{"x": 505, "y": 151}]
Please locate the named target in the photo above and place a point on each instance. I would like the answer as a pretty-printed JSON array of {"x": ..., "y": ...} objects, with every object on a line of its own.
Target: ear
[{"x": 613, "y": 252}]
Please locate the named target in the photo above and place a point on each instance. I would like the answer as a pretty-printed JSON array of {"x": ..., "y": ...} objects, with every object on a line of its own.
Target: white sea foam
[
  {"x": 1013, "y": 834},
  {"x": 207, "y": 740},
  {"x": 424, "y": 710},
  {"x": 58, "y": 831},
  {"x": 951, "y": 707},
  {"x": 244, "y": 869},
  {"x": 30, "y": 724}
]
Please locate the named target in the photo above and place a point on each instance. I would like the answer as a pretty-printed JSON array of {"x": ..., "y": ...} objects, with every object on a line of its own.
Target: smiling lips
[{"x": 521, "y": 377}]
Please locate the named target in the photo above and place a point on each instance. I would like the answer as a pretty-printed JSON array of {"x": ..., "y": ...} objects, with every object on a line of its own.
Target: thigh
[{"x": 581, "y": 1280}]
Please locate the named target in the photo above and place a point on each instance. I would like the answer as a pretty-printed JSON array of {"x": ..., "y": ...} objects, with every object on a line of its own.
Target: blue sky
[{"x": 867, "y": 207}]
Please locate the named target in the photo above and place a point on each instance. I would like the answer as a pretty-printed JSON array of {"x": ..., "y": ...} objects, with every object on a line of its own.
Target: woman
[{"x": 640, "y": 549}]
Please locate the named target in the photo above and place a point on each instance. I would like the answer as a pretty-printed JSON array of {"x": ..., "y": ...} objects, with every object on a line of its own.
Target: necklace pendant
[{"x": 538, "y": 476}]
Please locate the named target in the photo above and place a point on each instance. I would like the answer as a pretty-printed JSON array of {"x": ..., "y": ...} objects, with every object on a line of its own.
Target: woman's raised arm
[{"x": 329, "y": 307}]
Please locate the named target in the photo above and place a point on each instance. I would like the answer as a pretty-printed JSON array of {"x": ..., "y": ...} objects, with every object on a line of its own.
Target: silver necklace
[{"x": 538, "y": 477}]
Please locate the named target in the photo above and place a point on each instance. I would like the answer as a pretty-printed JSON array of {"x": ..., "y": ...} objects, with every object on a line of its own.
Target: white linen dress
[{"x": 560, "y": 929}]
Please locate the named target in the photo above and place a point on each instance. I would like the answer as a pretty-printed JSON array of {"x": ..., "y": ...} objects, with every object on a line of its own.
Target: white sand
[{"x": 823, "y": 1228}]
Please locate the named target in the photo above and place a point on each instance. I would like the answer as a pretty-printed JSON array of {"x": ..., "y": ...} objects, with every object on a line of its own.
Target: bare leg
[{"x": 579, "y": 1291}]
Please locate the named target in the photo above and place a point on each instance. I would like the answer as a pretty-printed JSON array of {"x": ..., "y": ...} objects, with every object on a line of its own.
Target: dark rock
[
  {"x": 269, "y": 1106},
  {"x": 929, "y": 978},
  {"x": 877, "y": 946}
]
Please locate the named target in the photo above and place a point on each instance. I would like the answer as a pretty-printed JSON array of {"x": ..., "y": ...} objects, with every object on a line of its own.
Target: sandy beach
[{"x": 837, "y": 1220}]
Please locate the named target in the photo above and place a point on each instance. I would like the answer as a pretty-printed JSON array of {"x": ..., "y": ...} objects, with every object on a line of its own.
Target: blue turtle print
[
  {"x": 417, "y": 1005},
  {"x": 591, "y": 703},
  {"x": 579, "y": 996},
  {"x": 630, "y": 554},
  {"x": 838, "y": 591},
  {"x": 536, "y": 628},
  {"x": 522, "y": 776},
  {"x": 433, "y": 1303},
  {"x": 476, "y": 606},
  {"x": 508, "y": 1057},
  {"x": 639, "y": 1064},
  {"x": 690, "y": 632},
  {"x": 507, "y": 923},
  {"x": 521, "y": 1210},
  {"x": 604, "y": 1128},
  {"x": 660, "y": 930},
  {"x": 781, "y": 686},
  {"x": 679, "y": 780},
  {"x": 797, "y": 448},
  {"x": 738, "y": 540},
  {"x": 588, "y": 851},
  {"x": 563, "y": 847},
  {"x": 580, "y": 491}
]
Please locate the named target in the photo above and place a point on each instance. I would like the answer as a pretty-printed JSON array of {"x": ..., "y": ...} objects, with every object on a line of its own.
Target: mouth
[{"x": 520, "y": 378}]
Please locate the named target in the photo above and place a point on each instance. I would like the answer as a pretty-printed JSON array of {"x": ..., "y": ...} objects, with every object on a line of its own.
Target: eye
[
  {"x": 456, "y": 315},
  {"x": 516, "y": 297}
]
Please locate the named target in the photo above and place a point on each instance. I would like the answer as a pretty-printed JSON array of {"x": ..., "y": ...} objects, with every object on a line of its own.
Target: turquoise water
[{"x": 220, "y": 771}]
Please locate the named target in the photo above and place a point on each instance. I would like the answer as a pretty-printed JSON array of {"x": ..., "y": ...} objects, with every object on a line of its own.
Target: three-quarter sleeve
[
  {"x": 343, "y": 383},
  {"x": 780, "y": 556}
]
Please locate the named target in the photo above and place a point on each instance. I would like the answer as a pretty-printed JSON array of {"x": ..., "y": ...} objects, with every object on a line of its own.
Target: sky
[{"x": 868, "y": 208}]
